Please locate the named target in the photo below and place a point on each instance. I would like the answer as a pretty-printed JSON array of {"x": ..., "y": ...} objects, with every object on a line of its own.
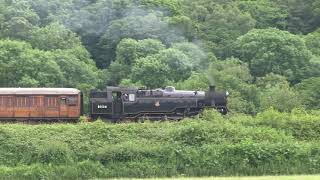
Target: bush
[
  {"x": 213, "y": 145},
  {"x": 54, "y": 153}
]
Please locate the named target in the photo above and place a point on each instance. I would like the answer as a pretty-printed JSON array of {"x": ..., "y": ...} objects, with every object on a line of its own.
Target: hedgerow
[{"x": 212, "y": 145}]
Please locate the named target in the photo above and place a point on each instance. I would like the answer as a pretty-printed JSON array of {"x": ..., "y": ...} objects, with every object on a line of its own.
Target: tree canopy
[{"x": 262, "y": 52}]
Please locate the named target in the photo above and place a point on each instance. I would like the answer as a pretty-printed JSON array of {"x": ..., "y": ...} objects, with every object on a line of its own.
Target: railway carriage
[{"x": 40, "y": 104}]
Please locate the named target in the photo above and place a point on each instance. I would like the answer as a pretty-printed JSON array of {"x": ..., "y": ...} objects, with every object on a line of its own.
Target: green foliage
[
  {"x": 177, "y": 62},
  {"x": 281, "y": 98},
  {"x": 299, "y": 123},
  {"x": 152, "y": 25},
  {"x": 309, "y": 91},
  {"x": 274, "y": 91},
  {"x": 114, "y": 74},
  {"x": 168, "y": 5},
  {"x": 94, "y": 43},
  {"x": 197, "y": 81},
  {"x": 54, "y": 153},
  {"x": 19, "y": 61},
  {"x": 272, "y": 80},
  {"x": 213, "y": 145},
  {"x": 266, "y": 13},
  {"x": 303, "y": 16},
  {"x": 27, "y": 67},
  {"x": 18, "y": 20},
  {"x": 54, "y": 36},
  {"x": 128, "y": 50},
  {"x": 150, "y": 72},
  {"x": 219, "y": 25},
  {"x": 129, "y": 83},
  {"x": 234, "y": 76},
  {"x": 274, "y": 51},
  {"x": 313, "y": 42},
  {"x": 198, "y": 59}
]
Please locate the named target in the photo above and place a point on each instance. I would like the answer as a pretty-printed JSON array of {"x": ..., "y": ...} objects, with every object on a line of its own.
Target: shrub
[
  {"x": 55, "y": 153},
  {"x": 213, "y": 145}
]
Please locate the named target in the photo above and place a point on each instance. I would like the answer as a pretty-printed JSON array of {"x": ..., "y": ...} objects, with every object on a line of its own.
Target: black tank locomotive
[{"x": 117, "y": 103}]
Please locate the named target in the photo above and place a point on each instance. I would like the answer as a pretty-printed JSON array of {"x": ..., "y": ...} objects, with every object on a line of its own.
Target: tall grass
[{"x": 268, "y": 144}]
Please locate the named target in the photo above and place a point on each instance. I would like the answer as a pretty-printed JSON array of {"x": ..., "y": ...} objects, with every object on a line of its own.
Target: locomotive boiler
[{"x": 115, "y": 103}]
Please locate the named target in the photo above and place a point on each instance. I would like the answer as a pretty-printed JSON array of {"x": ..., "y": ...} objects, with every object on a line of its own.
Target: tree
[
  {"x": 77, "y": 72},
  {"x": 219, "y": 24},
  {"x": 313, "y": 42},
  {"x": 177, "y": 62},
  {"x": 197, "y": 81},
  {"x": 283, "y": 99},
  {"x": 272, "y": 80},
  {"x": 129, "y": 83},
  {"x": 128, "y": 50},
  {"x": 23, "y": 66},
  {"x": 183, "y": 26},
  {"x": 150, "y": 72},
  {"x": 274, "y": 51},
  {"x": 147, "y": 47},
  {"x": 48, "y": 11},
  {"x": 18, "y": 20},
  {"x": 303, "y": 16},
  {"x": 54, "y": 36},
  {"x": 171, "y": 7},
  {"x": 234, "y": 76},
  {"x": 266, "y": 13},
  {"x": 275, "y": 91},
  {"x": 140, "y": 27},
  {"x": 309, "y": 92},
  {"x": 114, "y": 74},
  {"x": 199, "y": 59}
]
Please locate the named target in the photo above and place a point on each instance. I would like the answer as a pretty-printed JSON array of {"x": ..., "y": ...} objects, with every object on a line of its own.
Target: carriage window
[
  {"x": 63, "y": 100},
  {"x": 132, "y": 97},
  {"x": 51, "y": 102},
  {"x": 72, "y": 100},
  {"x": 6, "y": 101},
  {"x": 34, "y": 101},
  {"x": 22, "y": 101}
]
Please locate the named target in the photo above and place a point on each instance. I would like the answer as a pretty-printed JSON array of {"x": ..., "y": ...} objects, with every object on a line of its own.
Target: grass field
[{"x": 302, "y": 177}]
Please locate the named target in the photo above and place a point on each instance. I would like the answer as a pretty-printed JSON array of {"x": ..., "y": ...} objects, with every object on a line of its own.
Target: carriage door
[
  {"x": 117, "y": 106},
  {"x": 63, "y": 106}
]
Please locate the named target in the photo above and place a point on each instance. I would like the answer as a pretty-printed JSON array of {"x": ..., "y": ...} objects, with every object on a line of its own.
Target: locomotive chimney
[
  {"x": 212, "y": 88},
  {"x": 210, "y": 95}
]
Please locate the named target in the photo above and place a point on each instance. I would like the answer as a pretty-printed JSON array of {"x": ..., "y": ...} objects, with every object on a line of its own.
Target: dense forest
[{"x": 264, "y": 52}]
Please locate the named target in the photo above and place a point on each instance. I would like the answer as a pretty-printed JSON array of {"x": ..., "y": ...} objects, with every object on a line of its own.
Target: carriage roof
[{"x": 39, "y": 91}]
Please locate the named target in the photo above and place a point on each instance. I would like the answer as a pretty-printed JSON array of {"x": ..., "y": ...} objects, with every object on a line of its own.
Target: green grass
[{"x": 300, "y": 177}]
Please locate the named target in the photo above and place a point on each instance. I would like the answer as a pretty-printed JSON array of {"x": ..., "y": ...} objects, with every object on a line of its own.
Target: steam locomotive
[
  {"x": 116, "y": 103},
  {"x": 113, "y": 103}
]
